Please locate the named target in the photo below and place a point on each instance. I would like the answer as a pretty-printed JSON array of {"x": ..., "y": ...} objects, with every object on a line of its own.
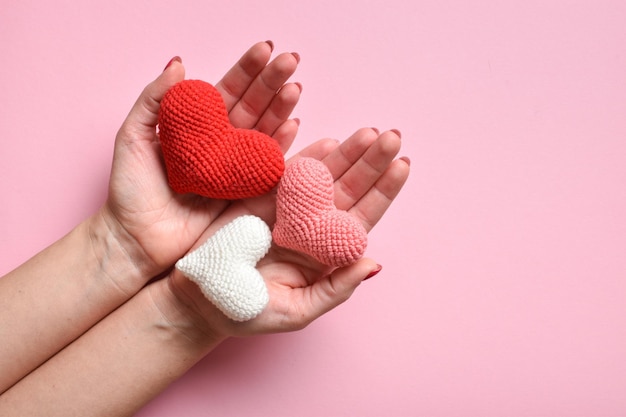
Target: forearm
[
  {"x": 57, "y": 295},
  {"x": 119, "y": 364}
]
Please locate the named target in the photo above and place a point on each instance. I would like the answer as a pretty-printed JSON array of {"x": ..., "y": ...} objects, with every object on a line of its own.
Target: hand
[
  {"x": 154, "y": 225},
  {"x": 367, "y": 179}
]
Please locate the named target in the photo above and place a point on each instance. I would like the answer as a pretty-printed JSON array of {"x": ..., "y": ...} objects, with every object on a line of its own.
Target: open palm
[
  {"x": 154, "y": 224},
  {"x": 367, "y": 179}
]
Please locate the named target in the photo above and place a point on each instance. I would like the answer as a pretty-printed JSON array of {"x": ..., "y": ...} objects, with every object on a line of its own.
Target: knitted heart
[
  {"x": 224, "y": 267},
  {"x": 204, "y": 154},
  {"x": 308, "y": 221}
]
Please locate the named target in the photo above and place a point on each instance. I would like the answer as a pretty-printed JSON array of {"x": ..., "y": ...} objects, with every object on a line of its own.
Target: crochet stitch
[
  {"x": 204, "y": 154},
  {"x": 224, "y": 267},
  {"x": 308, "y": 221}
]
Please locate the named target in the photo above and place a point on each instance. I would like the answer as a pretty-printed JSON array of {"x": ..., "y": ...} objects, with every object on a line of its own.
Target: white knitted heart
[{"x": 224, "y": 267}]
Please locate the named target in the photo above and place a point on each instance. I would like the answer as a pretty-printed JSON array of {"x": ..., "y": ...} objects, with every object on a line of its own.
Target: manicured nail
[
  {"x": 374, "y": 272},
  {"x": 397, "y": 132},
  {"x": 271, "y": 44},
  {"x": 406, "y": 159},
  {"x": 297, "y": 56},
  {"x": 175, "y": 59}
]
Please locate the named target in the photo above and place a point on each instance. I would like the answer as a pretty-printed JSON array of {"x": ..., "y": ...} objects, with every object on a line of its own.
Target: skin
[
  {"x": 143, "y": 227},
  {"x": 111, "y": 336}
]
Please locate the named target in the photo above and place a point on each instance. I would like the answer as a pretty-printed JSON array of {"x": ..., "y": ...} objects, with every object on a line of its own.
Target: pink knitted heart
[{"x": 308, "y": 221}]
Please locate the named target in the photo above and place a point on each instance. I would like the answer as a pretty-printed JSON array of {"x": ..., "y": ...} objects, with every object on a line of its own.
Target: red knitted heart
[
  {"x": 204, "y": 154},
  {"x": 308, "y": 221}
]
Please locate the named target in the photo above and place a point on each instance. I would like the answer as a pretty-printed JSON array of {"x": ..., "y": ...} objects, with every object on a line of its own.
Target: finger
[
  {"x": 317, "y": 150},
  {"x": 342, "y": 158},
  {"x": 334, "y": 289},
  {"x": 377, "y": 200},
  {"x": 363, "y": 174},
  {"x": 279, "y": 108},
  {"x": 237, "y": 80},
  {"x": 248, "y": 110},
  {"x": 141, "y": 122},
  {"x": 286, "y": 134}
]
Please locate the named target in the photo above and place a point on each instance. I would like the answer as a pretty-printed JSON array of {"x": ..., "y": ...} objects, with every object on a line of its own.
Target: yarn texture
[
  {"x": 224, "y": 267},
  {"x": 204, "y": 154},
  {"x": 308, "y": 221}
]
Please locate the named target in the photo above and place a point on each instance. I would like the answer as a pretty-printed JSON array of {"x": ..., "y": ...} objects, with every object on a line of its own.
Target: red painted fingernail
[
  {"x": 397, "y": 132},
  {"x": 175, "y": 59},
  {"x": 271, "y": 44},
  {"x": 374, "y": 272},
  {"x": 297, "y": 56}
]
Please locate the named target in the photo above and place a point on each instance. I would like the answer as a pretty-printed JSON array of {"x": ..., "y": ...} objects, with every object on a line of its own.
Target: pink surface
[{"x": 504, "y": 276}]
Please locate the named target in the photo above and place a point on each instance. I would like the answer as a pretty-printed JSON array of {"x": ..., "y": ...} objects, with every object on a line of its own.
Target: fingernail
[
  {"x": 406, "y": 159},
  {"x": 375, "y": 130},
  {"x": 397, "y": 132},
  {"x": 374, "y": 272},
  {"x": 271, "y": 44},
  {"x": 297, "y": 121},
  {"x": 297, "y": 56},
  {"x": 175, "y": 59},
  {"x": 299, "y": 86}
]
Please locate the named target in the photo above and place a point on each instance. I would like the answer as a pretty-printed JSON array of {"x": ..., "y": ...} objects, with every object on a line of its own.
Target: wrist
[
  {"x": 115, "y": 253},
  {"x": 175, "y": 299}
]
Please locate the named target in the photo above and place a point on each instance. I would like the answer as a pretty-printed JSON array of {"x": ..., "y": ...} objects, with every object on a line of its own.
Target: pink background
[{"x": 504, "y": 280}]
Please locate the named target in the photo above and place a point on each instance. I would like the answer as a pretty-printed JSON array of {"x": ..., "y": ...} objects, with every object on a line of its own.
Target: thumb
[
  {"x": 337, "y": 287},
  {"x": 141, "y": 122}
]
